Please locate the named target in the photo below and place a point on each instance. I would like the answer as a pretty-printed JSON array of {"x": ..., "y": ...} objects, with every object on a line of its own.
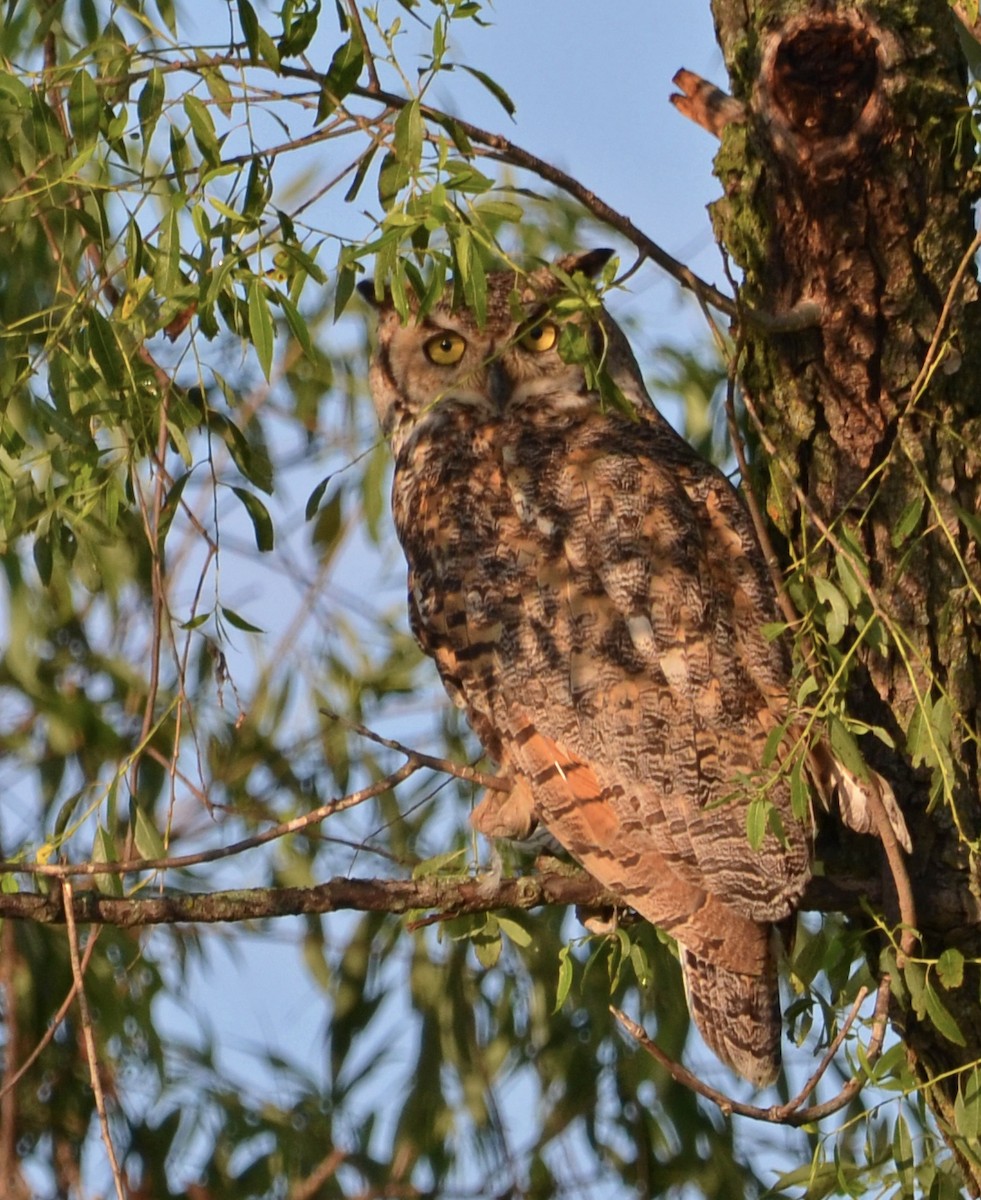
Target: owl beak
[{"x": 499, "y": 383}]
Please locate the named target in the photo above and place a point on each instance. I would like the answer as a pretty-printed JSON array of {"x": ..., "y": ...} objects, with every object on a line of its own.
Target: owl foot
[
  {"x": 508, "y": 815},
  {"x": 512, "y": 817}
]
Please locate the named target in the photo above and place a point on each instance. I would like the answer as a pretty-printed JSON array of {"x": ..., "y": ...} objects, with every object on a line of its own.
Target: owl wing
[
  {"x": 682, "y": 593},
  {"x": 564, "y": 587},
  {"x": 727, "y": 961},
  {"x": 736, "y": 565}
]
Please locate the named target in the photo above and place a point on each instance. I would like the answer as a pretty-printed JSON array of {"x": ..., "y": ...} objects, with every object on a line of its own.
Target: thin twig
[
  {"x": 832, "y": 1050},
  {"x": 65, "y": 870},
  {"x": 415, "y": 762},
  {"x": 307, "y": 1189},
  {"x": 89, "y": 1037},
  {"x": 503, "y": 150},
  {"x": 779, "y": 1114},
  {"x": 962, "y": 268},
  {"x": 495, "y": 783},
  {"x": 10, "y": 1083}
]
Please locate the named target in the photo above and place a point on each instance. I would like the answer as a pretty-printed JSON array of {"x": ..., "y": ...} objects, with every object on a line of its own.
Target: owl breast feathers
[{"x": 593, "y": 595}]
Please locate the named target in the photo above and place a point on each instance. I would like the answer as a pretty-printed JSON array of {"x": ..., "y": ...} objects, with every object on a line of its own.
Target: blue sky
[{"x": 591, "y": 83}]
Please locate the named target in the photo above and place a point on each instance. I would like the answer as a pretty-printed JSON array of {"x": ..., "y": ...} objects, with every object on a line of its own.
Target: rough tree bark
[{"x": 848, "y": 183}]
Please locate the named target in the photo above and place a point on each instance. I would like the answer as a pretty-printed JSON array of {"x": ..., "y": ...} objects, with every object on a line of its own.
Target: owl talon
[{"x": 509, "y": 815}]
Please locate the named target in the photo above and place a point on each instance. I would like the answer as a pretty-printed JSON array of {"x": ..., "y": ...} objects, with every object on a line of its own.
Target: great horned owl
[{"x": 594, "y": 595}]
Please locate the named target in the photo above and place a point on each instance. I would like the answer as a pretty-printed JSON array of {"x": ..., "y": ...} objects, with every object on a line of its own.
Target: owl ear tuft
[
  {"x": 590, "y": 262},
  {"x": 367, "y": 289}
]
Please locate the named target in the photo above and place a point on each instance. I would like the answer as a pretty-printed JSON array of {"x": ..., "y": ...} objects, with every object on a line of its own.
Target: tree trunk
[{"x": 848, "y": 186}]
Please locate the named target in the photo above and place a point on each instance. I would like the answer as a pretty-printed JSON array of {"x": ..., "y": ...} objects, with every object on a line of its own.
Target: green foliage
[{"x": 183, "y": 413}]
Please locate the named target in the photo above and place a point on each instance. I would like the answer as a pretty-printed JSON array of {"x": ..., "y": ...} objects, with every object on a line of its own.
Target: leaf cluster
[{"x": 190, "y": 485}]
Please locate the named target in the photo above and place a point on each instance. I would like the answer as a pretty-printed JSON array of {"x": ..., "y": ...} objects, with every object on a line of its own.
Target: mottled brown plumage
[{"x": 593, "y": 595}]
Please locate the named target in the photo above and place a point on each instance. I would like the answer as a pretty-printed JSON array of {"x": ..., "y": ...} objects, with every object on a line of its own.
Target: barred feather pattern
[{"x": 593, "y": 595}]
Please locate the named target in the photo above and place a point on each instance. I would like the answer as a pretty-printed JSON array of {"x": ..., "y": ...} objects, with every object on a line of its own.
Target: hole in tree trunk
[{"x": 824, "y": 75}]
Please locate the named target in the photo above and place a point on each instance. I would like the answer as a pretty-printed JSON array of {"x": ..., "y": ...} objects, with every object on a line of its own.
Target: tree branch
[
  {"x": 451, "y": 896},
  {"x": 791, "y": 1113},
  {"x": 502, "y": 149},
  {"x": 851, "y": 885},
  {"x": 448, "y": 896}
]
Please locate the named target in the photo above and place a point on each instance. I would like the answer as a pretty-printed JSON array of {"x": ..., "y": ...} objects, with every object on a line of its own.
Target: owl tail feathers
[{"x": 737, "y": 1015}]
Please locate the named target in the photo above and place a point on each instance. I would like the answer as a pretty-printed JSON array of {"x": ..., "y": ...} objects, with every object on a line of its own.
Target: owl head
[{"x": 508, "y": 365}]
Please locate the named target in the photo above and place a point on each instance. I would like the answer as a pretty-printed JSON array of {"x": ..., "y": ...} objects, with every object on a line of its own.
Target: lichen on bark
[{"x": 848, "y": 185}]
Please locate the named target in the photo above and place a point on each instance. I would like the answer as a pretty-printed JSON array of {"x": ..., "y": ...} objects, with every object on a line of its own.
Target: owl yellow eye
[
  {"x": 445, "y": 349},
  {"x": 541, "y": 337}
]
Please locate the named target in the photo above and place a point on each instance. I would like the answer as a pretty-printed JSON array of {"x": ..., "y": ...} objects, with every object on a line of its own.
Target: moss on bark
[{"x": 848, "y": 185}]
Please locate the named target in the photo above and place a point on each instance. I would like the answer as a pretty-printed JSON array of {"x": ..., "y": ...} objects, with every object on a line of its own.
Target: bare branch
[
  {"x": 11, "y": 1081},
  {"x": 89, "y": 1037},
  {"x": 790, "y": 1113},
  {"x": 701, "y": 101},
  {"x": 135, "y": 865},
  {"x": 496, "y": 783},
  {"x": 457, "y": 897}
]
